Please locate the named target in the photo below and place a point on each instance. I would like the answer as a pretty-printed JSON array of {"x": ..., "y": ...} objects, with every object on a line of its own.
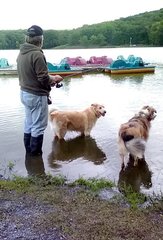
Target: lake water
[{"x": 96, "y": 156}]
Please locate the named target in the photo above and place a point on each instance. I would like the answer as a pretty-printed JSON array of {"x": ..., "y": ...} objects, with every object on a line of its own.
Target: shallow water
[{"x": 97, "y": 155}]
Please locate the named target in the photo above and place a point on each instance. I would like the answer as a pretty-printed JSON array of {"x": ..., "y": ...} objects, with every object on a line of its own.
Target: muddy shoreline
[{"x": 72, "y": 213}]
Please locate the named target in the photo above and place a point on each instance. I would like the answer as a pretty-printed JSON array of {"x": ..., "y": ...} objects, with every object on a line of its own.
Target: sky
[{"x": 69, "y": 14}]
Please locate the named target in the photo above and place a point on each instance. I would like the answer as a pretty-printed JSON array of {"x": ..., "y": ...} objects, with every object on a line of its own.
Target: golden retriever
[
  {"x": 133, "y": 134},
  {"x": 78, "y": 121}
]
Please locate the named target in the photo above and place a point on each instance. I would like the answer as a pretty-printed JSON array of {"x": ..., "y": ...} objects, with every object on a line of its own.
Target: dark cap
[{"x": 34, "y": 31}]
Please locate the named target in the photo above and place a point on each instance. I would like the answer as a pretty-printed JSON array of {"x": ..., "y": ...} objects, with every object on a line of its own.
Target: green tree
[
  {"x": 51, "y": 39},
  {"x": 156, "y": 34},
  {"x": 84, "y": 41}
]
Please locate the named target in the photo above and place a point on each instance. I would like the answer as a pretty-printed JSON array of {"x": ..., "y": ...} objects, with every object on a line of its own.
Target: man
[{"x": 35, "y": 85}]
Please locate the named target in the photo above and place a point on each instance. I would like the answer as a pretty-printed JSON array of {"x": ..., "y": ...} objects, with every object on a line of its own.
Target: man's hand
[{"x": 55, "y": 79}]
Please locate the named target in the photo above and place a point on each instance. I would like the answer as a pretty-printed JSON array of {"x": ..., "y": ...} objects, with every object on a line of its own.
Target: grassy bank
[{"x": 51, "y": 208}]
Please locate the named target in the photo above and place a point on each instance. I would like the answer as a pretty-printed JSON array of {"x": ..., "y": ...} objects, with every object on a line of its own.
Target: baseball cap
[{"x": 34, "y": 31}]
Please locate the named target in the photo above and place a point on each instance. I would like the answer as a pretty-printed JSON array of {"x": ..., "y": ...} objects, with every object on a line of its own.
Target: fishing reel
[{"x": 58, "y": 85}]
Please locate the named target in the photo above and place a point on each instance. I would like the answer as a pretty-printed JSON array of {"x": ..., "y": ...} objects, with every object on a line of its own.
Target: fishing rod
[
  {"x": 58, "y": 85},
  {"x": 84, "y": 71}
]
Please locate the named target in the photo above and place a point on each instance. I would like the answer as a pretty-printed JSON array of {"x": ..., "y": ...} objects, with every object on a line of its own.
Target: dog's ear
[
  {"x": 150, "y": 108},
  {"x": 94, "y": 105},
  {"x": 145, "y": 107}
]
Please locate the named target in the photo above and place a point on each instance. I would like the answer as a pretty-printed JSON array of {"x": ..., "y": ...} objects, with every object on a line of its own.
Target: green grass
[
  {"x": 75, "y": 209},
  {"x": 134, "y": 199},
  {"x": 93, "y": 183}
]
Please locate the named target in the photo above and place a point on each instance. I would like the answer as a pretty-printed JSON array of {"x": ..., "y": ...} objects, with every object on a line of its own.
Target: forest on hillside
[{"x": 145, "y": 29}]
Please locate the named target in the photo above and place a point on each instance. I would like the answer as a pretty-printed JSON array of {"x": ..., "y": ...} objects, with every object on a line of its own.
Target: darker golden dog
[
  {"x": 78, "y": 121},
  {"x": 133, "y": 134}
]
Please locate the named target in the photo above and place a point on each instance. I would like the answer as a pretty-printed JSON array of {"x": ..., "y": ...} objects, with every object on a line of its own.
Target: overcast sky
[{"x": 69, "y": 14}]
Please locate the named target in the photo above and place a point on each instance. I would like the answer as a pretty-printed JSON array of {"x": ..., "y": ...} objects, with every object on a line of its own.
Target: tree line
[{"x": 145, "y": 29}]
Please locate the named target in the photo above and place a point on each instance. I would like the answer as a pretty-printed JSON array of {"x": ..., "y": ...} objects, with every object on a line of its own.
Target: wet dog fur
[
  {"x": 134, "y": 134},
  {"x": 78, "y": 121}
]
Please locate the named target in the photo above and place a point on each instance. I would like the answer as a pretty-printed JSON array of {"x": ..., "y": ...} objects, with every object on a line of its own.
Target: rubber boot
[
  {"x": 36, "y": 145},
  {"x": 27, "y": 140}
]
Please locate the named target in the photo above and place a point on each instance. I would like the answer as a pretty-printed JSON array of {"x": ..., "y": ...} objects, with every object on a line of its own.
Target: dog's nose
[{"x": 104, "y": 112}]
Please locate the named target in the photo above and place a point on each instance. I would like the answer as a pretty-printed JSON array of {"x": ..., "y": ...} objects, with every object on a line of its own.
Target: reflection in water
[
  {"x": 135, "y": 176},
  {"x": 34, "y": 165},
  {"x": 71, "y": 149},
  {"x": 135, "y": 78}
]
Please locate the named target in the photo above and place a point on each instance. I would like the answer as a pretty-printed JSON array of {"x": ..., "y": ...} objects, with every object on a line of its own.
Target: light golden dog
[
  {"x": 133, "y": 134},
  {"x": 78, "y": 121}
]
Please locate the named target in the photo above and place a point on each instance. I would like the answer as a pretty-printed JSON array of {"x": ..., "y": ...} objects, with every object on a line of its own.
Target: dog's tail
[{"x": 136, "y": 147}]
